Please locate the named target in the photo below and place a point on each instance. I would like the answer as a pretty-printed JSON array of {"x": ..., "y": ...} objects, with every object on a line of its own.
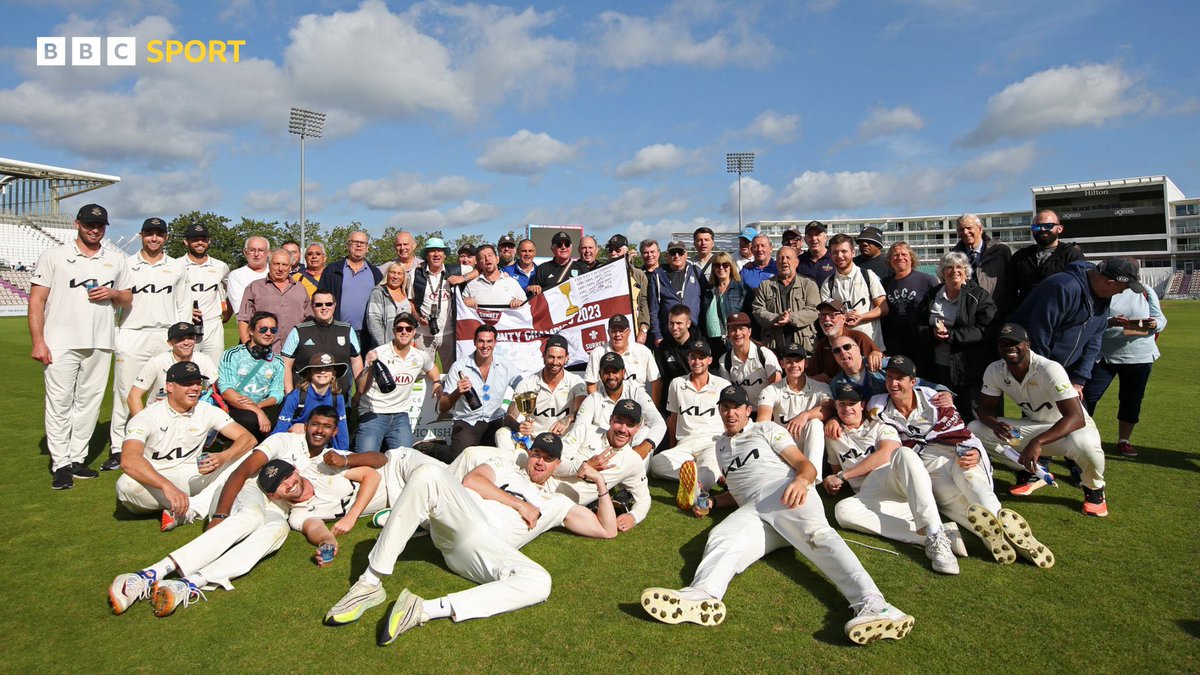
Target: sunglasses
[
  {"x": 844, "y": 348},
  {"x": 675, "y": 253},
  {"x": 324, "y": 304},
  {"x": 404, "y": 329},
  {"x": 263, "y": 330},
  {"x": 723, "y": 265},
  {"x": 358, "y": 243},
  {"x": 562, "y": 245}
]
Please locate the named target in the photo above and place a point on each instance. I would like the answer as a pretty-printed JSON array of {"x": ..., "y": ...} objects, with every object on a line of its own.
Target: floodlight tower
[
  {"x": 305, "y": 124},
  {"x": 739, "y": 163}
]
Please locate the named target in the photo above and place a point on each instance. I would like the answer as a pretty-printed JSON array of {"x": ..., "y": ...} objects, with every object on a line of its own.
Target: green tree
[
  {"x": 383, "y": 247},
  {"x": 335, "y": 240},
  {"x": 462, "y": 240},
  {"x": 223, "y": 243}
]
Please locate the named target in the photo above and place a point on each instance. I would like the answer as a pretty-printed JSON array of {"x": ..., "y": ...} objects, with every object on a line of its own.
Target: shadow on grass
[
  {"x": 1190, "y": 626},
  {"x": 1167, "y": 459},
  {"x": 418, "y": 549}
]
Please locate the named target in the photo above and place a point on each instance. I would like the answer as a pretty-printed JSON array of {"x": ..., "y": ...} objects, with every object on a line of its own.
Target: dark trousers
[
  {"x": 463, "y": 435},
  {"x": 249, "y": 420},
  {"x": 1131, "y": 389}
]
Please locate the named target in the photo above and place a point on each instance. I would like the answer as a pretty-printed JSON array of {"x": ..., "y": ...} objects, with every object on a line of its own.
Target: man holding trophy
[{"x": 546, "y": 400}]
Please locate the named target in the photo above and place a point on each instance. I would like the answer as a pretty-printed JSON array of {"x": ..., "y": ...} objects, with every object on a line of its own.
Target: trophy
[
  {"x": 565, "y": 289},
  {"x": 525, "y": 404}
]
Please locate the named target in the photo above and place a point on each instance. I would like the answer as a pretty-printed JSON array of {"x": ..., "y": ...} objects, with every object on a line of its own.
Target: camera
[{"x": 433, "y": 324}]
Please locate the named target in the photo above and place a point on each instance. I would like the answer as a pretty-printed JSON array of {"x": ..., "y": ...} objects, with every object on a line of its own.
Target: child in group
[{"x": 318, "y": 386}]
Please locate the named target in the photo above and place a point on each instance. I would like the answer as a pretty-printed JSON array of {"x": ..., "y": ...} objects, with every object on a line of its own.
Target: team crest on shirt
[{"x": 341, "y": 340}]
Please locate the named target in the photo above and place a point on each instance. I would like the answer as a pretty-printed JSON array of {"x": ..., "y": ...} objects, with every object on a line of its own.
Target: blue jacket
[
  {"x": 1065, "y": 320},
  {"x": 663, "y": 298},
  {"x": 292, "y": 411}
]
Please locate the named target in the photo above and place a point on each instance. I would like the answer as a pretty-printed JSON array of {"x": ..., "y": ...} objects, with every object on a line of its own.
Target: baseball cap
[
  {"x": 612, "y": 361},
  {"x": 871, "y": 234},
  {"x": 902, "y": 364},
  {"x": 555, "y": 341},
  {"x": 629, "y": 409},
  {"x": 548, "y": 443},
  {"x": 734, "y": 394},
  {"x": 435, "y": 243},
  {"x": 195, "y": 231},
  {"x": 182, "y": 329},
  {"x": 815, "y": 225},
  {"x": 677, "y": 246},
  {"x": 92, "y": 213},
  {"x": 618, "y": 322},
  {"x": 507, "y": 240},
  {"x": 699, "y": 346},
  {"x": 795, "y": 350},
  {"x": 154, "y": 225},
  {"x": 324, "y": 360},
  {"x": 184, "y": 372},
  {"x": 466, "y": 248},
  {"x": 847, "y": 392},
  {"x": 737, "y": 319},
  {"x": 834, "y": 304},
  {"x": 560, "y": 237},
  {"x": 1122, "y": 270},
  {"x": 748, "y": 233},
  {"x": 790, "y": 234},
  {"x": 1012, "y": 332},
  {"x": 617, "y": 241},
  {"x": 406, "y": 318},
  {"x": 275, "y": 472}
]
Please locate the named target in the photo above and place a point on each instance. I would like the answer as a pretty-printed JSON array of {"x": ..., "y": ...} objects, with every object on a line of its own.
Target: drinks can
[{"x": 703, "y": 504}]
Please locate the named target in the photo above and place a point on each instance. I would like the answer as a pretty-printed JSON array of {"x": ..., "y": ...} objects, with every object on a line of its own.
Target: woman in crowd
[
  {"x": 1128, "y": 350},
  {"x": 955, "y": 332},
  {"x": 318, "y": 386},
  {"x": 726, "y": 295},
  {"x": 906, "y": 290},
  {"x": 387, "y": 300}
]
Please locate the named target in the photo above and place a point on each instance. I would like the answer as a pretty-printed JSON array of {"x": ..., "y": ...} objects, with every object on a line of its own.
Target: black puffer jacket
[{"x": 972, "y": 337}]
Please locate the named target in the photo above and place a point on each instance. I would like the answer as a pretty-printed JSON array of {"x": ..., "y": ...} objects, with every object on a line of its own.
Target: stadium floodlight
[
  {"x": 739, "y": 163},
  {"x": 305, "y": 124}
]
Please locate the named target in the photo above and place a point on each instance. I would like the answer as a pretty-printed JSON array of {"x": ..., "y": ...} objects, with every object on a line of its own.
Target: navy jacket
[
  {"x": 1065, "y": 320},
  {"x": 663, "y": 293},
  {"x": 331, "y": 280}
]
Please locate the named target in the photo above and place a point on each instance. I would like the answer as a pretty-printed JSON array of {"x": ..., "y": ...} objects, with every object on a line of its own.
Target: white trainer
[
  {"x": 361, "y": 597},
  {"x": 877, "y": 620},
  {"x": 127, "y": 589},
  {"x": 669, "y": 606},
  {"x": 939, "y": 551},
  {"x": 406, "y": 615},
  {"x": 172, "y": 594},
  {"x": 956, "y": 540}
]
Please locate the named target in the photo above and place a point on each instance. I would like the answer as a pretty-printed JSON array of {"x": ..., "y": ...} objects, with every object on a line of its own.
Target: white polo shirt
[
  {"x": 333, "y": 495},
  {"x": 207, "y": 282},
  {"x": 855, "y": 445},
  {"x": 696, "y": 408},
  {"x": 152, "y": 377},
  {"x": 1038, "y": 394},
  {"x": 915, "y": 425},
  {"x": 640, "y": 365},
  {"x": 502, "y": 291},
  {"x": 505, "y": 521},
  {"x": 751, "y": 374},
  {"x": 751, "y": 460},
  {"x": 171, "y": 437},
  {"x": 292, "y": 448},
  {"x": 786, "y": 403},
  {"x": 405, "y": 370},
  {"x": 161, "y": 295},
  {"x": 73, "y": 321},
  {"x": 596, "y": 411},
  {"x": 626, "y": 469},
  {"x": 552, "y": 405},
  {"x": 857, "y": 291},
  {"x": 236, "y": 284}
]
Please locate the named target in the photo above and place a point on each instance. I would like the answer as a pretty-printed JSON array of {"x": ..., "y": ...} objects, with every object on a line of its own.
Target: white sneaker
[
  {"x": 406, "y": 615},
  {"x": 127, "y": 589},
  {"x": 877, "y": 620},
  {"x": 669, "y": 606},
  {"x": 985, "y": 524},
  {"x": 381, "y": 517},
  {"x": 174, "y": 593},
  {"x": 361, "y": 597},
  {"x": 938, "y": 550},
  {"x": 956, "y": 541}
]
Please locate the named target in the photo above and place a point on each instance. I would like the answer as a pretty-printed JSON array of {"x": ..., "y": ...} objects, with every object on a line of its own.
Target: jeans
[
  {"x": 1132, "y": 387},
  {"x": 392, "y": 428}
]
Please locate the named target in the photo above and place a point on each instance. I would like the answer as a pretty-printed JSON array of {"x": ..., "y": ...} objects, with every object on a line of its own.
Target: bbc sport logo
[{"x": 122, "y": 51}]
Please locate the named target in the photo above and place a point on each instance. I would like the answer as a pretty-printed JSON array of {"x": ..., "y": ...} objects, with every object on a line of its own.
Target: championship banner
[{"x": 577, "y": 309}]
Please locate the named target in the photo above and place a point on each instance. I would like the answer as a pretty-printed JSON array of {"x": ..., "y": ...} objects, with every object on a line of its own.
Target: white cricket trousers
[
  {"x": 896, "y": 501},
  {"x": 954, "y": 489},
  {"x": 764, "y": 524},
  {"x": 1083, "y": 446},
  {"x": 701, "y": 449},
  {"x": 203, "y": 490},
  {"x": 234, "y": 546},
  {"x": 75, "y": 382},
  {"x": 133, "y": 349},
  {"x": 474, "y": 455},
  {"x": 460, "y": 530},
  {"x": 812, "y": 443},
  {"x": 213, "y": 343}
]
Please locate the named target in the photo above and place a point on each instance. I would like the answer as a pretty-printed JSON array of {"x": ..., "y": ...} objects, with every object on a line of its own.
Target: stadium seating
[
  {"x": 1176, "y": 283},
  {"x": 23, "y": 239}
]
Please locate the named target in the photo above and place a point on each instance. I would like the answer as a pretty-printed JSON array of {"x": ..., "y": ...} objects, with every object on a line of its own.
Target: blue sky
[{"x": 616, "y": 116}]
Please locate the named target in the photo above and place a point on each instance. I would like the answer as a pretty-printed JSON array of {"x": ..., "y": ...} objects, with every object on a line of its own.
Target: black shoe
[
  {"x": 63, "y": 479},
  {"x": 1076, "y": 479},
  {"x": 112, "y": 463},
  {"x": 80, "y": 471}
]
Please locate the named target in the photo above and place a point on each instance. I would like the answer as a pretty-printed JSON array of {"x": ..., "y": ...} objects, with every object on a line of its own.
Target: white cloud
[
  {"x": 887, "y": 121},
  {"x": 462, "y": 215},
  {"x": 755, "y": 196},
  {"x": 726, "y": 38},
  {"x": 821, "y": 191},
  {"x": 775, "y": 127},
  {"x": 274, "y": 201},
  {"x": 471, "y": 213},
  {"x": 605, "y": 214},
  {"x": 657, "y": 157},
  {"x": 525, "y": 153},
  {"x": 1002, "y": 162},
  {"x": 638, "y": 203},
  {"x": 1060, "y": 98},
  {"x": 407, "y": 192},
  {"x": 140, "y": 196}
]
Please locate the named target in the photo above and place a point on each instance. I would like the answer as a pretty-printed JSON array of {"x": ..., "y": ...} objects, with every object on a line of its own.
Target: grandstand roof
[
  {"x": 27, "y": 188},
  {"x": 14, "y": 167}
]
